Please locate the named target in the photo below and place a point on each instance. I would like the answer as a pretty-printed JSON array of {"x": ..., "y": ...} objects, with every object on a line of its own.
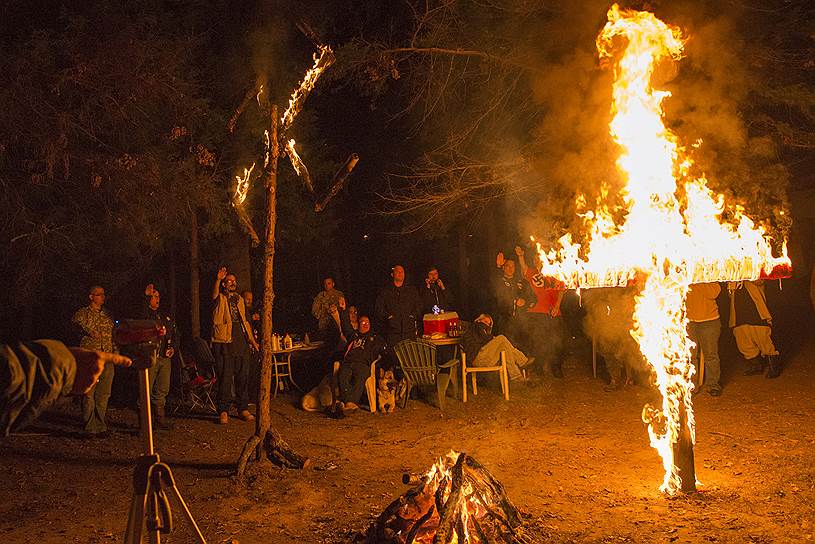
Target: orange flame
[
  {"x": 298, "y": 96},
  {"x": 242, "y": 184},
  {"x": 668, "y": 240}
]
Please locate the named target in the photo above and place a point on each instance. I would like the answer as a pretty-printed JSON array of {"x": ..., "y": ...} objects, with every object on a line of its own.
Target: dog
[{"x": 385, "y": 391}]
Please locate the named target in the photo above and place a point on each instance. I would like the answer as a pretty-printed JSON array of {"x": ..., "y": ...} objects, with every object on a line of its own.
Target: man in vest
[{"x": 231, "y": 340}]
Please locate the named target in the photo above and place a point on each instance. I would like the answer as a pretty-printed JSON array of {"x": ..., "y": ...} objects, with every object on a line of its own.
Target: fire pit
[{"x": 456, "y": 501}]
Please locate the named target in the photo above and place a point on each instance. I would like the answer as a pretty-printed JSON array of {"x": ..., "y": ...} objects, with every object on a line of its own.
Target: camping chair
[
  {"x": 197, "y": 388},
  {"x": 501, "y": 368},
  {"x": 418, "y": 361},
  {"x": 370, "y": 384}
]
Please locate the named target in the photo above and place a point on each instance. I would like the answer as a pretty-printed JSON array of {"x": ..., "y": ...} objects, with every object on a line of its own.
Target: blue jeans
[{"x": 706, "y": 337}]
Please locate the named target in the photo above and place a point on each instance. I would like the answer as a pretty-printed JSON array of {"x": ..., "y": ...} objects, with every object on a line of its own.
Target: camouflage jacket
[{"x": 97, "y": 328}]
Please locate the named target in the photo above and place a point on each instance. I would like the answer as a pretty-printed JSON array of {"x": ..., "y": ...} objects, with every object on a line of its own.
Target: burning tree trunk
[
  {"x": 458, "y": 500},
  {"x": 265, "y": 440}
]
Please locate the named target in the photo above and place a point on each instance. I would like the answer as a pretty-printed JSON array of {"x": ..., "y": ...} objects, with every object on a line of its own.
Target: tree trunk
[
  {"x": 255, "y": 444},
  {"x": 195, "y": 280},
  {"x": 264, "y": 417}
]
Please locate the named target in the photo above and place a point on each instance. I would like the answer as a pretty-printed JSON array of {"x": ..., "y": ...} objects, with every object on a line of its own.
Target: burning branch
[
  {"x": 299, "y": 166},
  {"x": 242, "y": 185},
  {"x": 298, "y": 97},
  {"x": 339, "y": 180},
  {"x": 251, "y": 92}
]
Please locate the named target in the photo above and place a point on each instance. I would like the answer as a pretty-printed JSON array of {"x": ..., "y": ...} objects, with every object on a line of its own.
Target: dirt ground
[{"x": 573, "y": 458}]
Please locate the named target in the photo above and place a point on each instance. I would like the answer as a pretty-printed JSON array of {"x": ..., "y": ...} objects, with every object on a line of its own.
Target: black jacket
[
  {"x": 475, "y": 336},
  {"x": 435, "y": 296},
  {"x": 364, "y": 348},
  {"x": 398, "y": 309},
  {"x": 507, "y": 291},
  {"x": 169, "y": 338}
]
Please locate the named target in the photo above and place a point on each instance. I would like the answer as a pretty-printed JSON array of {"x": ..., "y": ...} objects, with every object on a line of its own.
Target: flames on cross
[{"x": 673, "y": 233}]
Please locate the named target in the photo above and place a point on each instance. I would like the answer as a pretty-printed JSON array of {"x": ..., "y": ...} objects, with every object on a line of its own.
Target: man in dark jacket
[
  {"x": 436, "y": 297},
  {"x": 363, "y": 348},
  {"x": 34, "y": 374},
  {"x": 398, "y": 308},
  {"x": 513, "y": 296},
  {"x": 159, "y": 373}
]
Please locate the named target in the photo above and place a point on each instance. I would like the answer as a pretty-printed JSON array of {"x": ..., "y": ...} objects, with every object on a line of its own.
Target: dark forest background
[{"x": 477, "y": 123}]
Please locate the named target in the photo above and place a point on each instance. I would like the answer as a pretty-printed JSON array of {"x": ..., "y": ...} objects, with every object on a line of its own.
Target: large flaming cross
[{"x": 672, "y": 236}]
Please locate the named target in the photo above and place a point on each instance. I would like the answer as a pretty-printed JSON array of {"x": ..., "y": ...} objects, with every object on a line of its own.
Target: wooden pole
[
  {"x": 683, "y": 452},
  {"x": 264, "y": 417}
]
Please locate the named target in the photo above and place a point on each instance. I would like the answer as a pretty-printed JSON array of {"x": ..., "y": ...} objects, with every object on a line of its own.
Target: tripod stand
[{"x": 152, "y": 479}]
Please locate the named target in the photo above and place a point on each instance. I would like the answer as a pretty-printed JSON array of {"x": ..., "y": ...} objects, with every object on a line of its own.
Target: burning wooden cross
[
  {"x": 298, "y": 98},
  {"x": 265, "y": 438},
  {"x": 672, "y": 235}
]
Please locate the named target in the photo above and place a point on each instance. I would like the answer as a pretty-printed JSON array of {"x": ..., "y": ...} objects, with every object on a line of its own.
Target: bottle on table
[{"x": 287, "y": 342}]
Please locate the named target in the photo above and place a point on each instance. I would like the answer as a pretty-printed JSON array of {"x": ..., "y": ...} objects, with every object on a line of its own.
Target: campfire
[{"x": 456, "y": 501}]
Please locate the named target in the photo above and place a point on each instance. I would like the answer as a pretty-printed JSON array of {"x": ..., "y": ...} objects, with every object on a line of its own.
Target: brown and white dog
[{"x": 385, "y": 391}]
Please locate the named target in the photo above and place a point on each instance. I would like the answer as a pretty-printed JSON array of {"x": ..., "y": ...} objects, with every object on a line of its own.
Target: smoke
[
  {"x": 609, "y": 320},
  {"x": 573, "y": 154}
]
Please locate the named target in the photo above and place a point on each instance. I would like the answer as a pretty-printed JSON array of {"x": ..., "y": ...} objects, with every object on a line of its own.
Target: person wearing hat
[{"x": 484, "y": 349}]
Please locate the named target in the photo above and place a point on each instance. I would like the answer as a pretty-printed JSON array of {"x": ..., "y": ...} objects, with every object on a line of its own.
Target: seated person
[
  {"x": 363, "y": 347},
  {"x": 484, "y": 349}
]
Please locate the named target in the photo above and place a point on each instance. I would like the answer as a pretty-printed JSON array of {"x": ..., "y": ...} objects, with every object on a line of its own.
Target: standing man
[
  {"x": 704, "y": 329},
  {"x": 546, "y": 330},
  {"x": 512, "y": 296},
  {"x": 752, "y": 322},
  {"x": 398, "y": 308},
  {"x": 321, "y": 307},
  {"x": 231, "y": 338},
  {"x": 436, "y": 297},
  {"x": 252, "y": 312},
  {"x": 97, "y": 334},
  {"x": 159, "y": 373}
]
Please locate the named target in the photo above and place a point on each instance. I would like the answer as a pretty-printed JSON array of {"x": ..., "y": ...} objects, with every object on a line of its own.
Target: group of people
[
  {"x": 95, "y": 325},
  {"x": 527, "y": 324},
  {"x": 527, "y": 316}
]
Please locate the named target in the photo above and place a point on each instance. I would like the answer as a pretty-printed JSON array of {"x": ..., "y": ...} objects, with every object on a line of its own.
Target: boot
[
  {"x": 753, "y": 367},
  {"x": 774, "y": 367},
  {"x": 160, "y": 420}
]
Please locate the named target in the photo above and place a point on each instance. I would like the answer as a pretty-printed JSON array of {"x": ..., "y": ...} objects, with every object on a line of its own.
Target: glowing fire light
[
  {"x": 297, "y": 99},
  {"x": 296, "y": 161},
  {"x": 672, "y": 234},
  {"x": 242, "y": 186}
]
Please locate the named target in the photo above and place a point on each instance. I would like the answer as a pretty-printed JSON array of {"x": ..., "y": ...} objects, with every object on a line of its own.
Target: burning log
[
  {"x": 299, "y": 166},
  {"x": 339, "y": 180},
  {"x": 298, "y": 97},
  {"x": 458, "y": 500},
  {"x": 251, "y": 93}
]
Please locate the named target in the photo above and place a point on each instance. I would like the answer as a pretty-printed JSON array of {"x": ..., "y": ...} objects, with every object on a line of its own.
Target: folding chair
[
  {"x": 500, "y": 368},
  {"x": 197, "y": 389}
]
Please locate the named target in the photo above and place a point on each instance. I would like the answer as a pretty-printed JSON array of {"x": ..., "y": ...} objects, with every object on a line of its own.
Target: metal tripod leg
[{"x": 151, "y": 478}]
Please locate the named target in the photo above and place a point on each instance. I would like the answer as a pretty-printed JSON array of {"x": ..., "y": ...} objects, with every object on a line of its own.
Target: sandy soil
[{"x": 575, "y": 459}]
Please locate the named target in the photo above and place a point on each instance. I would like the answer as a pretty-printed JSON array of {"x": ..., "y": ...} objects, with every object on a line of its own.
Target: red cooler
[{"x": 439, "y": 323}]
